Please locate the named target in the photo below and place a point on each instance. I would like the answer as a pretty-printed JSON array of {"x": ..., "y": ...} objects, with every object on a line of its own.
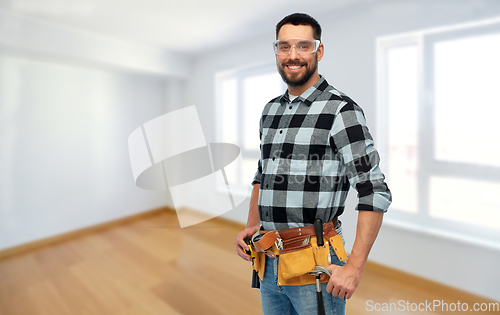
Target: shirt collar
[{"x": 310, "y": 95}]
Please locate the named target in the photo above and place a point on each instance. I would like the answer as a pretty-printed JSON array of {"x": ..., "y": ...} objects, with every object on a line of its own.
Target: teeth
[{"x": 294, "y": 67}]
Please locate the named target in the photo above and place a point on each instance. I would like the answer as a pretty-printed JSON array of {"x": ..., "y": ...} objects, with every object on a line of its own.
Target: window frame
[
  {"x": 240, "y": 74},
  {"x": 428, "y": 165}
]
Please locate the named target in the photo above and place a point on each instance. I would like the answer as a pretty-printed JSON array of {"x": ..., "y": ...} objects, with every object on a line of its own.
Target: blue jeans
[{"x": 302, "y": 300}]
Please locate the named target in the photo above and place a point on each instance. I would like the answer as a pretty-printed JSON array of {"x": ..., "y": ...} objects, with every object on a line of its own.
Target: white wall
[
  {"x": 64, "y": 158},
  {"x": 349, "y": 65},
  {"x": 68, "y": 103}
]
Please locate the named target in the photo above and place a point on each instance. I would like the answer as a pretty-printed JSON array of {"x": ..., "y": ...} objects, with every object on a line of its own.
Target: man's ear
[{"x": 320, "y": 51}]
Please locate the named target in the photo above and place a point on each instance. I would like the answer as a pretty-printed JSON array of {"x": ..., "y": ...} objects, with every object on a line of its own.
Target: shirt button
[
  {"x": 274, "y": 159},
  {"x": 290, "y": 107},
  {"x": 281, "y": 131}
]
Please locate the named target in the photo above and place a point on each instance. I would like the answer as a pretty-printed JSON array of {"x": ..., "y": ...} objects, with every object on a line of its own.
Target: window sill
[{"x": 445, "y": 234}]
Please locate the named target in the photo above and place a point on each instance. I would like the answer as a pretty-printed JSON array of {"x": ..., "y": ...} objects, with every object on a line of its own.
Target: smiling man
[
  {"x": 298, "y": 71},
  {"x": 315, "y": 145}
]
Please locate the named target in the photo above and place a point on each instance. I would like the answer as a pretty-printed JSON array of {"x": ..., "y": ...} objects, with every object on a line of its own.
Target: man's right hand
[{"x": 240, "y": 244}]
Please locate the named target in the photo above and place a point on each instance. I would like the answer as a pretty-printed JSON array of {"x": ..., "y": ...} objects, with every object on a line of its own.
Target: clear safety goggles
[{"x": 303, "y": 46}]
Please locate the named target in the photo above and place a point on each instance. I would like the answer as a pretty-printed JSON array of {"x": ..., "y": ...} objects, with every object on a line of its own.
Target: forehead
[{"x": 296, "y": 31}]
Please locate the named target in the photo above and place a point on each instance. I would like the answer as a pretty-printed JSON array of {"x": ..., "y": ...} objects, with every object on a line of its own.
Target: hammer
[{"x": 318, "y": 270}]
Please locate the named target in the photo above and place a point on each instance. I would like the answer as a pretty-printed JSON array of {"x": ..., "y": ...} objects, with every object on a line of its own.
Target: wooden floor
[{"x": 151, "y": 266}]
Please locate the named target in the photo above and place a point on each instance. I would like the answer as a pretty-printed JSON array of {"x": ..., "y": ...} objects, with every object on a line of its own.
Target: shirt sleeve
[
  {"x": 258, "y": 173},
  {"x": 350, "y": 136}
]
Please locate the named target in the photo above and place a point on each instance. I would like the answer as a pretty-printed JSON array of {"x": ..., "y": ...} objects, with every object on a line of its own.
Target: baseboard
[
  {"x": 425, "y": 284},
  {"x": 76, "y": 233}
]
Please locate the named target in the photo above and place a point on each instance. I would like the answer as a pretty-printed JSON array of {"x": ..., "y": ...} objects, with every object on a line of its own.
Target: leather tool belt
[{"x": 298, "y": 252}]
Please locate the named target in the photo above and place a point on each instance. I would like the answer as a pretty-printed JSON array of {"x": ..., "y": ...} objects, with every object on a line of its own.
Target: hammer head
[{"x": 318, "y": 270}]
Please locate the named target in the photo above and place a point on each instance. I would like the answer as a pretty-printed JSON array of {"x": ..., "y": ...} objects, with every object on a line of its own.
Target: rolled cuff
[{"x": 378, "y": 202}]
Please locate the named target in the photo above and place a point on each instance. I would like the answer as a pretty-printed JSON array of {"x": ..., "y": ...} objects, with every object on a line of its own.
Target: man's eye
[{"x": 283, "y": 47}]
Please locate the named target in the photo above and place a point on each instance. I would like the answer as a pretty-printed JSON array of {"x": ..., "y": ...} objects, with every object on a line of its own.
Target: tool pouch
[
  {"x": 296, "y": 258},
  {"x": 299, "y": 257},
  {"x": 338, "y": 247},
  {"x": 321, "y": 252},
  {"x": 258, "y": 260},
  {"x": 295, "y": 264},
  {"x": 259, "y": 264}
]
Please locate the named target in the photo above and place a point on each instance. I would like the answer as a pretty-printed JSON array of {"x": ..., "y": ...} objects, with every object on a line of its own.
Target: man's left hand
[{"x": 343, "y": 281}]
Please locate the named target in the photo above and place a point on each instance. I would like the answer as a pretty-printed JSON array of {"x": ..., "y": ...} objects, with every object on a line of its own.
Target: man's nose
[{"x": 293, "y": 53}]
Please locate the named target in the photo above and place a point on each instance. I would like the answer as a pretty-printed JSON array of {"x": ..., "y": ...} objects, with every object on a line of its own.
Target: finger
[
  {"x": 241, "y": 240},
  {"x": 342, "y": 294},
  {"x": 349, "y": 295},
  {"x": 329, "y": 286},
  {"x": 336, "y": 291},
  {"x": 241, "y": 252},
  {"x": 349, "y": 291},
  {"x": 242, "y": 243},
  {"x": 239, "y": 243}
]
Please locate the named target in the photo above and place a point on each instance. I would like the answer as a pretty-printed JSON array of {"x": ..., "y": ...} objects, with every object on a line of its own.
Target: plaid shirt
[{"x": 312, "y": 150}]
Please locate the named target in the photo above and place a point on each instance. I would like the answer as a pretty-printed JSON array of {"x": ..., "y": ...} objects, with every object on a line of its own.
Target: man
[{"x": 314, "y": 145}]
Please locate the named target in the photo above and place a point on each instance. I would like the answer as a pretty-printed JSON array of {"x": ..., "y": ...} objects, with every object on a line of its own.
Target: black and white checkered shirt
[{"x": 312, "y": 150}]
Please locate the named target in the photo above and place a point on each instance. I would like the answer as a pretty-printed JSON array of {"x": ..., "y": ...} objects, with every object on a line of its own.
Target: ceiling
[{"x": 185, "y": 26}]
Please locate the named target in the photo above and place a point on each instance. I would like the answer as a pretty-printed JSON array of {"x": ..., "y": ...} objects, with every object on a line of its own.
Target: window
[
  {"x": 438, "y": 109},
  {"x": 240, "y": 97}
]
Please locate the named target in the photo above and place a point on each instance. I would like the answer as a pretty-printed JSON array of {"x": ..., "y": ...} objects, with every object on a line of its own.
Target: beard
[{"x": 297, "y": 79}]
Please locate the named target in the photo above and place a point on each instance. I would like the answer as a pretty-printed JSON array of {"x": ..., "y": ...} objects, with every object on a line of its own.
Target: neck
[{"x": 298, "y": 90}]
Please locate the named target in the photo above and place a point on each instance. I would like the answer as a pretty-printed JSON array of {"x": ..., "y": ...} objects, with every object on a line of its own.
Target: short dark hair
[{"x": 300, "y": 19}]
